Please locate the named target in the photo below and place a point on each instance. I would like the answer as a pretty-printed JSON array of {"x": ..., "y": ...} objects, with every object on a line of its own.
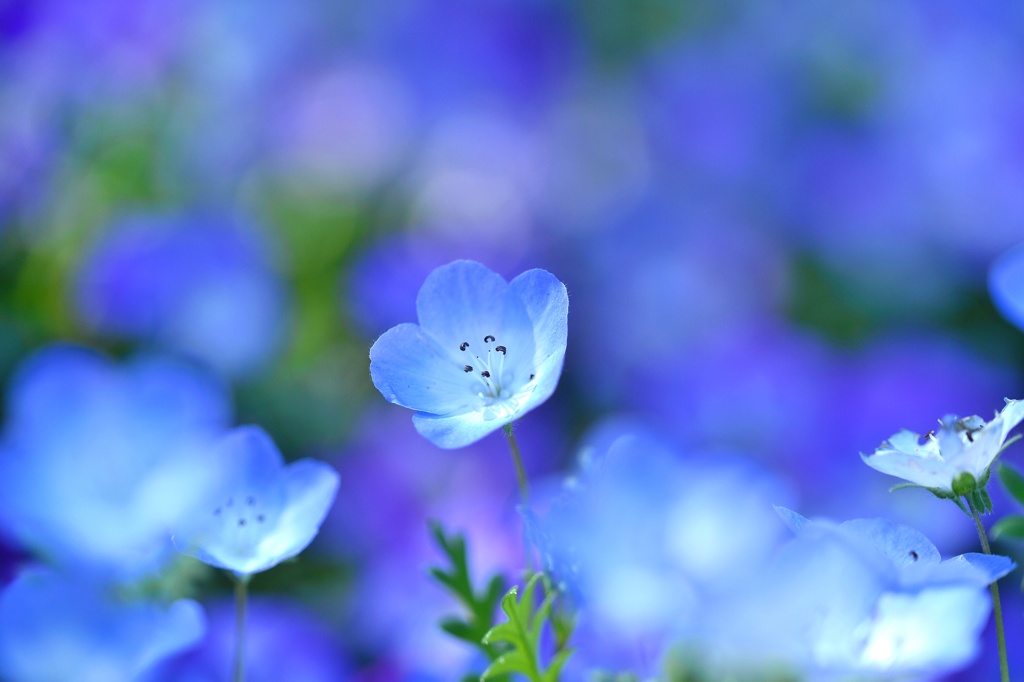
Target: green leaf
[
  {"x": 479, "y": 607},
  {"x": 522, "y": 631},
  {"x": 1012, "y": 480},
  {"x": 1008, "y": 527}
]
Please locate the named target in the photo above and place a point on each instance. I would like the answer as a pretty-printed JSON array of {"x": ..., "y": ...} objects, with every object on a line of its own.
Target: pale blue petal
[
  {"x": 458, "y": 430},
  {"x": 1011, "y": 415},
  {"x": 902, "y": 545},
  {"x": 250, "y": 455},
  {"x": 310, "y": 487},
  {"x": 925, "y": 471},
  {"x": 547, "y": 304},
  {"x": 547, "y": 375},
  {"x": 931, "y": 631},
  {"x": 794, "y": 521},
  {"x": 410, "y": 369},
  {"x": 462, "y": 302},
  {"x": 1006, "y": 285},
  {"x": 991, "y": 567}
]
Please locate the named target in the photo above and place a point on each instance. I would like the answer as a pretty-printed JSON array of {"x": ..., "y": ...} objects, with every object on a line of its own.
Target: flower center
[
  {"x": 241, "y": 512},
  {"x": 492, "y": 380}
]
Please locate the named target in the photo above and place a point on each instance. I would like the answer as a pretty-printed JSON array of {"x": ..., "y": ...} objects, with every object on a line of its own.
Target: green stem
[
  {"x": 524, "y": 487},
  {"x": 241, "y": 602},
  {"x": 997, "y": 609}
]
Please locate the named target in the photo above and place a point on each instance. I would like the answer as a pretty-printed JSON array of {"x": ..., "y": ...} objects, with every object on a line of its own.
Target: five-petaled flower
[
  {"x": 959, "y": 446},
  {"x": 485, "y": 351},
  {"x": 266, "y": 512}
]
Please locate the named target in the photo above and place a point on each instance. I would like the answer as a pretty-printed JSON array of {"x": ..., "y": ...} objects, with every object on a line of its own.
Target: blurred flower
[
  {"x": 645, "y": 539},
  {"x": 60, "y": 628},
  {"x": 485, "y": 352},
  {"x": 1006, "y": 285},
  {"x": 268, "y": 512},
  {"x": 98, "y": 461},
  {"x": 865, "y": 599},
  {"x": 198, "y": 285},
  {"x": 959, "y": 446},
  {"x": 283, "y": 643}
]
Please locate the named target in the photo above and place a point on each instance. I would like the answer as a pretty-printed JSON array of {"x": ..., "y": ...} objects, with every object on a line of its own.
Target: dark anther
[
  {"x": 467, "y": 368},
  {"x": 913, "y": 555},
  {"x": 241, "y": 522},
  {"x": 970, "y": 436},
  {"x": 485, "y": 373},
  {"x": 250, "y": 500},
  {"x": 501, "y": 349},
  {"x": 464, "y": 345},
  {"x": 488, "y": 338},
  {"x": 259, "y": 518},
  {"x": 532, "y": 376}
]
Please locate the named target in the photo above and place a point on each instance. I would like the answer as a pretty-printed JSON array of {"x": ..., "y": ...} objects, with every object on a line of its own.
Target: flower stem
[
  {"x": 524, "y": 487},
  {"x": 241, "y": 602},
  {"x": 997, "y": 609}
]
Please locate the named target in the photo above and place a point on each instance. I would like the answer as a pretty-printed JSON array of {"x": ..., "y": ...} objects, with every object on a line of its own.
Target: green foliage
[
  {"x": 522, "y": 632},
  {"x": 480, "y": 607},
  {"x": 1012, "y": 480},
  {"x": 1009, "y": 527}
]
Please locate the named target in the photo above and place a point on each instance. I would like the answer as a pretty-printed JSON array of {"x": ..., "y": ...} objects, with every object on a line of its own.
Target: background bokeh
[{"x": 775, "y": 223}]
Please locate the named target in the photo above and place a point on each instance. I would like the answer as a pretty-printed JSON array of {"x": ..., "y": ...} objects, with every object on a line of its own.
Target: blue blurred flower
[
  {"x": 198, "y": 285},
  {"x": 283, "y": 643},
  {"x": 57, "y": 628},
  {"x": 99, "y": 461},
  {"x": 645, "y": 539},
  {"x": 959, "y": 446},
  {"x": 864, "y": 599},
  {"x": 267, "y": 512},
  {"x": 485, "y": 351},
  {"x": 1006, "y": 285}
]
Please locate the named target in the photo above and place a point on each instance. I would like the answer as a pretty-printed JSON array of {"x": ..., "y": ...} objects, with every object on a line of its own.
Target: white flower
[{"x": 959, "y": 446}]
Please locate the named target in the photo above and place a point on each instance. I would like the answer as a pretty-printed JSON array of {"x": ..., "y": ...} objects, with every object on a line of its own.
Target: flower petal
[
  {"x": 410, "y": 369},
  {"x": 457, "y": 430},
  {"x": 972, "y": 568},
  {"x": 461, "y": 302},
  {"x": 310, "y": 489},
  {"x": 547, "y": 303},
  {"x": 926, "y": 471},
  {"x": 903, "y": 545},
  {"x": 1011, "y": 415}
]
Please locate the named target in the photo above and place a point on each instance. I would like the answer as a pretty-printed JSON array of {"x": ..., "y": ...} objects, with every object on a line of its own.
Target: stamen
[
  {"x": 260, "y": 518},
  {"x": 488, "y": 338},
  {"x": 467, "y": 368},
  {"x": 501, "y": 349},
  {"x": 485, "y": 373},
  {"x": 532, "y": 376},
  {"x": 464, "y": 345},
  {"x": 241, "y": 522}
]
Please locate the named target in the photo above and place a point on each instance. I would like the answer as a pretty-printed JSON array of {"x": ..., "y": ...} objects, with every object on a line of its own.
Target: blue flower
[
  {"x": 60, "y": 628},
  {"x": 485, "y": 351},
  {"x": 960, "y": 446},
  {"x": 200, "y": 285},
  {"x": 99, "y": 461},
  {"x": 1006, "y": 285},
  {"x": 266, "y": 512},
  {"x": 864, "y": 599}
]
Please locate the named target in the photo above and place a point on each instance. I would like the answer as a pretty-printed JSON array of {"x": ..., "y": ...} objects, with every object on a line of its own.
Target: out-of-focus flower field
[{"x": 775, "y": 223}]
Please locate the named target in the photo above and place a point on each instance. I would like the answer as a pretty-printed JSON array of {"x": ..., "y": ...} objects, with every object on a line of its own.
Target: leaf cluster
[
  {"x": 480, "y": 606},
  {"x": 522, "y": 633},
  {"x": 1010, "y": 527}
]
